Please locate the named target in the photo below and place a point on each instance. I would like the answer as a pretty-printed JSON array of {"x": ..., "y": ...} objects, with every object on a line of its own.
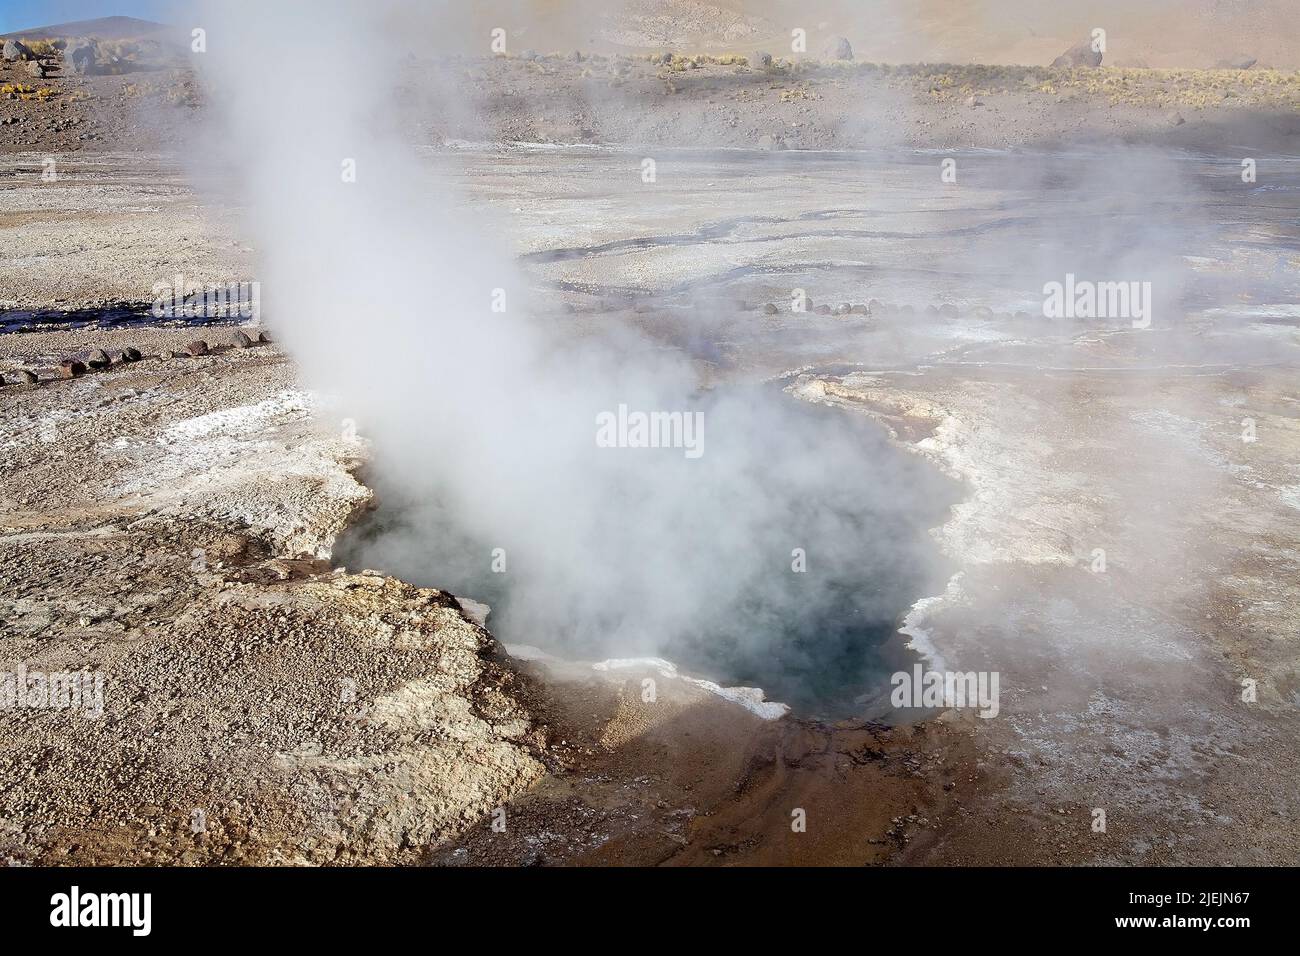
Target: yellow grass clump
[{"x": 27, "y": 93}]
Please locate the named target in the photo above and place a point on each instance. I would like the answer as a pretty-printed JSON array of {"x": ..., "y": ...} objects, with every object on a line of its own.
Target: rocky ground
[
  {"x": 164, "y": 525},
  {"x": 169, "y": 523},
  {"x": 105, "y": 230},
  {"x": 1123, "y": 687},
  {"x": 788, "y": 103},
  {"x": 739, "y": 100}
]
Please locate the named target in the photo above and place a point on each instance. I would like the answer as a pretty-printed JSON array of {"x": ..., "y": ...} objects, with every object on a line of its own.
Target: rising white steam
[{"x": 484, "y": 423}]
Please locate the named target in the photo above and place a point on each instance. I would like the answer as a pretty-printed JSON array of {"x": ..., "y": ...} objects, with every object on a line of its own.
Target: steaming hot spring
[{"x": 519, "y": 438}]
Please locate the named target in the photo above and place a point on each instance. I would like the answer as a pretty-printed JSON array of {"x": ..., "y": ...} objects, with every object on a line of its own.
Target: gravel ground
[
  {"x": 169, "y": 523},
  {"x": 165, "y": 526}
]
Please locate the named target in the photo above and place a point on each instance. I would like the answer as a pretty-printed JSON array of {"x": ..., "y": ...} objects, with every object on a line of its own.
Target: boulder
[
  {"x": 15, "y": 51},
  {"x": 80, "y": 56},
  {"x": 241, "y": 339},
  {"x": 837, "y": 48},
  {"x": 98, "y": 359},
  {"x": 71, "y": 368},
  {"x": 23, "y": 377},
  {"x": 36, "y": 68},
  {"x": 263, "y": 337},
  {"x": 196, "y": 348},
  {"x": 1079, "y": 56},
  {"x": 131, "y": 354}
]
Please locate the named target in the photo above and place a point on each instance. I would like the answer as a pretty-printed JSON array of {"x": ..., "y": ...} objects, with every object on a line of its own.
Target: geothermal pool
[
  {"x": 816, "y": 630},
  {"x": 706, "y": 262}
]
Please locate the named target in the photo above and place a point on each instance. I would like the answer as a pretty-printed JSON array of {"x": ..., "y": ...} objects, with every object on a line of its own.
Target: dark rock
[
  {"x": 837, "y": 48},
  {"x": 98, "y": 359},
  {"x": 1238, "y": 61},
  {"x": 23, "y": 377},
  {"x": 15, "y": 51},
  {"x": 197, "y": 348},
  {"x": 1079, "y": 56},
  {"x": 80, "y": 56},
  {"x": 71, "y": 368},
  {"x": 241, "y": 339},
  {"x": 131, "y": 354},
  {"x": 263, "y": 337}
]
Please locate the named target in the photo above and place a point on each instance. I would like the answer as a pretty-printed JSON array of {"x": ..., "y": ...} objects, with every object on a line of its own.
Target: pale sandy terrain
[
  {"x": 172, "y": 523},
  {"x": 163, "y": 525},
  {"x": 1121, "y": 690}
]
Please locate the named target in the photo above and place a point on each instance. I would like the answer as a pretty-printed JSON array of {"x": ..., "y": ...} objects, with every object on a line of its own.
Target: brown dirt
[{"x": 711, "y": 101}]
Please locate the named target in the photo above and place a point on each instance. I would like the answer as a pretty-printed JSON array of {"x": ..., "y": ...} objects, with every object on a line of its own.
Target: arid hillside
[{"x": 1158, "y": 33}]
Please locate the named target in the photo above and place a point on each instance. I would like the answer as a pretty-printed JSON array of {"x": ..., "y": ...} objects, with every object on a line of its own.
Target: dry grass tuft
[{"x": 22, "y": 91}]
